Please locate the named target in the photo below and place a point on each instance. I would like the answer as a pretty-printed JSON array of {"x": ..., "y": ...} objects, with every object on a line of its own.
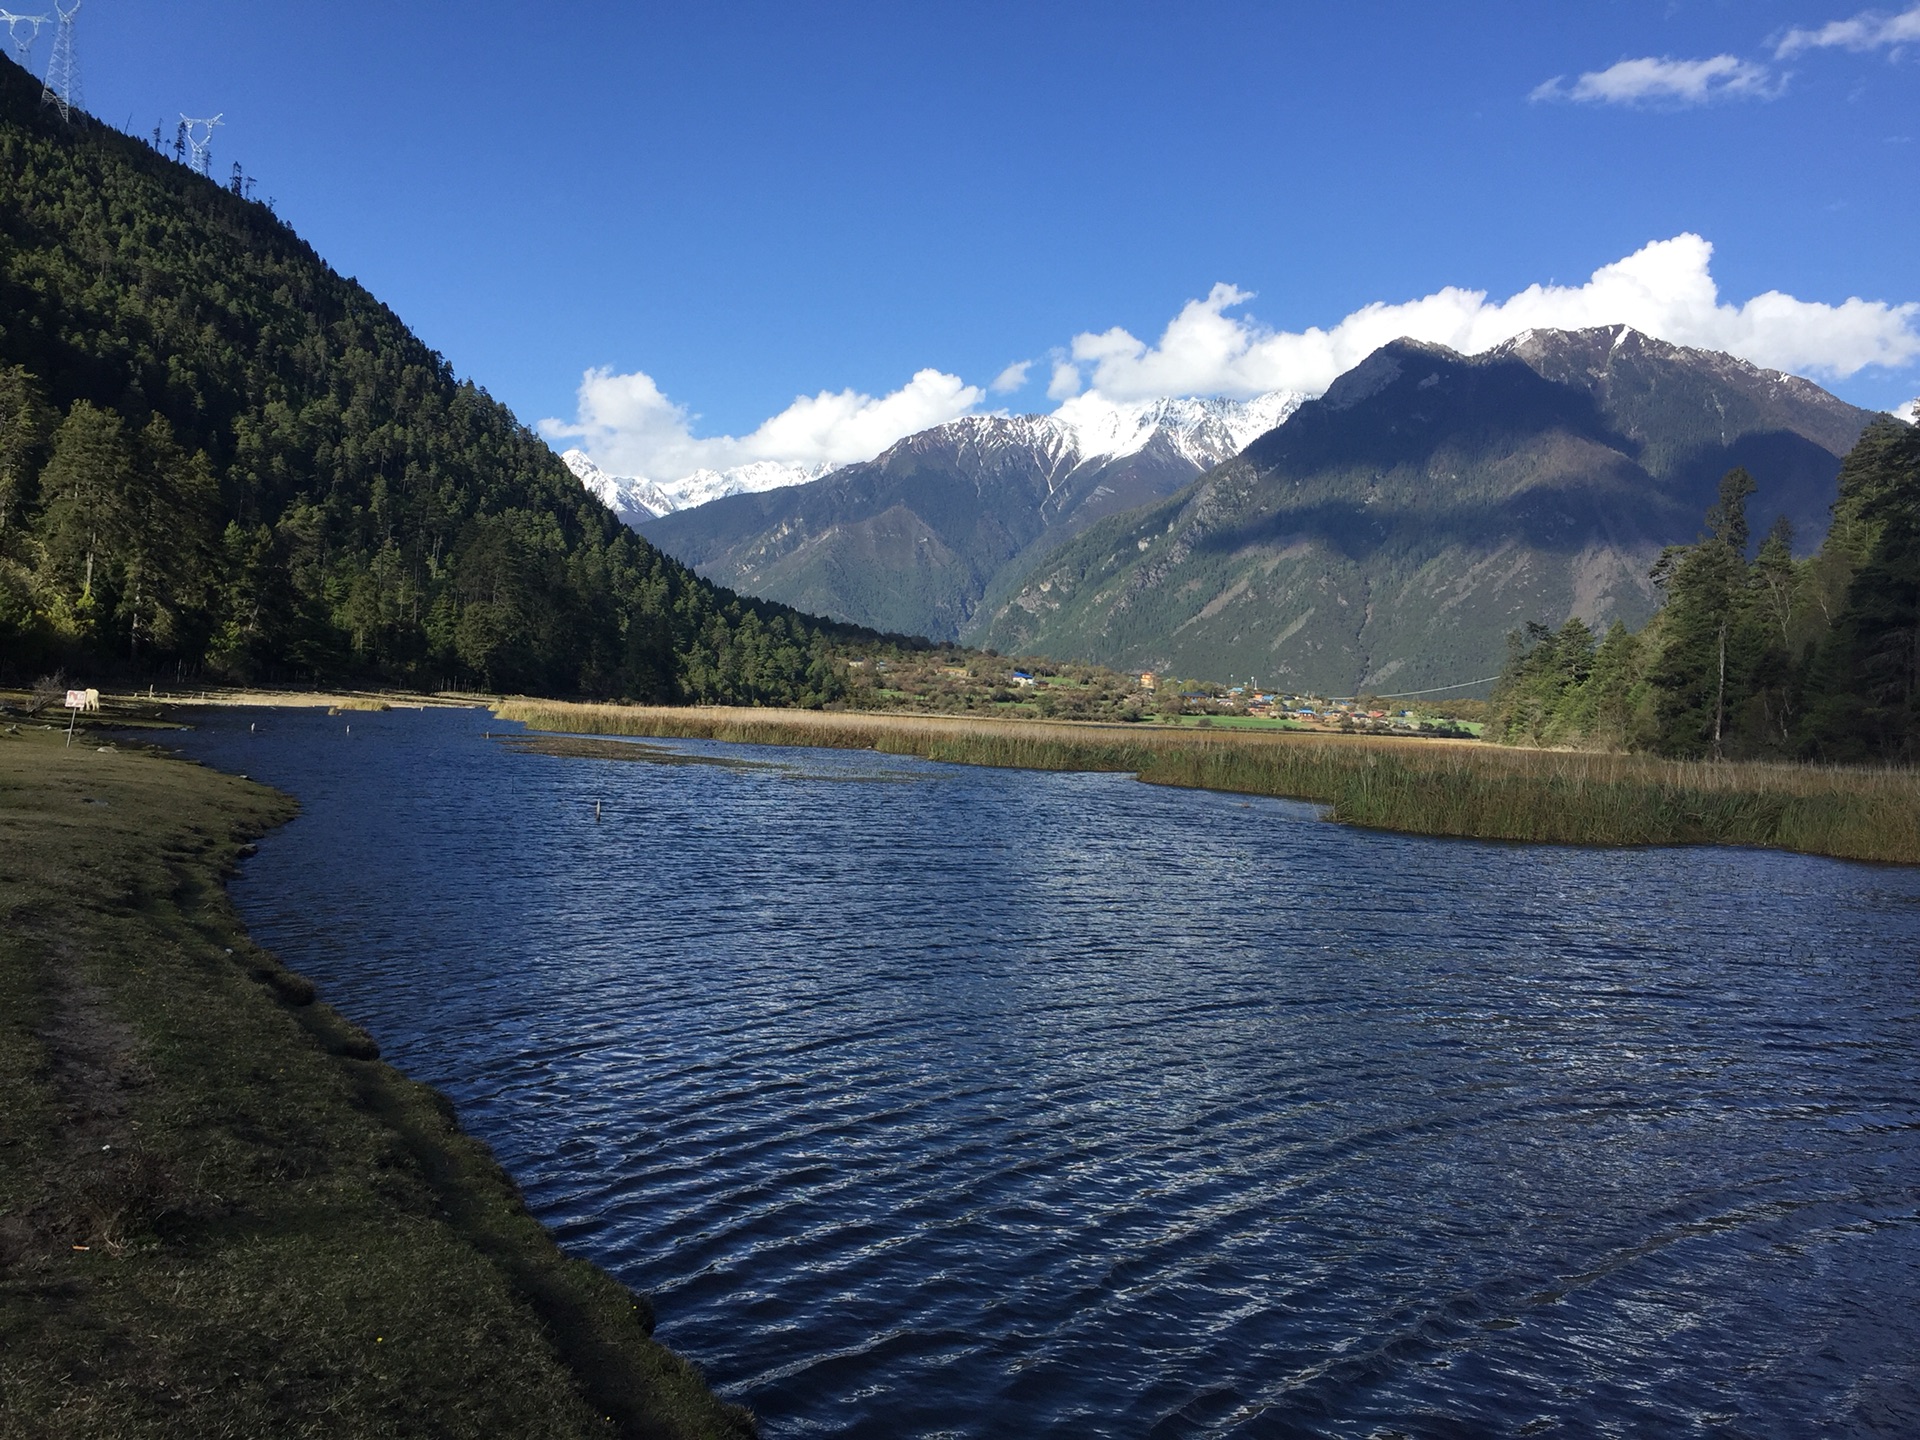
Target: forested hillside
[
  {"x": 1752, "y": 658},
  {"x": 218, "y": 456}
]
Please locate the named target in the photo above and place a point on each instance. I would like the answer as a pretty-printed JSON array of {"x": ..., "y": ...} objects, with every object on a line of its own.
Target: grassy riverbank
[
  {"x": 220, "y": 1215},
  {"x": 1422, "y": 787}
]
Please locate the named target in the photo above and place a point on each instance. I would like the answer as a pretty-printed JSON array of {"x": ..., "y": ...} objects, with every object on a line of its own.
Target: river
[{"x": 929, "y": 1100}]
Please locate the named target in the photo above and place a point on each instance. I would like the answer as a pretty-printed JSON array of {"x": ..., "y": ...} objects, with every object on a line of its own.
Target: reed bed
[{"x": 1421, "y": 787}]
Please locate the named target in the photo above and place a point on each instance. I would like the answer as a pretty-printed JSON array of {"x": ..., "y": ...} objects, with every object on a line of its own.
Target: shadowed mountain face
[
  {"x": 911, "y": 542},
  {"x": 1394, "y": 531}
]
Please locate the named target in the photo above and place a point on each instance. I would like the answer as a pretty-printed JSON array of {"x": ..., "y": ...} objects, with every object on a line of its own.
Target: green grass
[
  {"x": 219, "y": 1214},
  {"x": 1424, "y": 787}
]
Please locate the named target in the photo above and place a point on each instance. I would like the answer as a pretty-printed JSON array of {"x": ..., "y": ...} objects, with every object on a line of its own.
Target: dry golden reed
[{"x": 1422, "y": 787}]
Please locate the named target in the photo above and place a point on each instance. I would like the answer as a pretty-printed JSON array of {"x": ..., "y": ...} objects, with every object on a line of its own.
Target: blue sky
[{"x": 742, "y": 203}]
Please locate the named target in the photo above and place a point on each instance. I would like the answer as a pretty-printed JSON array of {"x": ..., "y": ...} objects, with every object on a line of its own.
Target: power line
[{"x": 1438, "y": 689}]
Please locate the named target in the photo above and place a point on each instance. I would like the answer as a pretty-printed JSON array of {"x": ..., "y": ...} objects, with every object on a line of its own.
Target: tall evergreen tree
[
  {"x": 1538, "y": 699},
  {"x": 1866, "y": 678},
  {"x": 1773, "y": 620},
  {"x": 86, "y": 524},
  {"x": 1818, "y": 658},
  {"x": 25, "y": 423},
  {"x": 173, "y": 513},
  {"x": 1610, "y": 710},
  {"x": 1700, "y": 669}
]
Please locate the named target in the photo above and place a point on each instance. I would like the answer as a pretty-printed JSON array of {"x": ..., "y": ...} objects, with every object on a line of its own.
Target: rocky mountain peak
[
  {"x": 629, "y": 497},
  {"x": 1394, "y": 531},
  {"x": 1087, "y": 430}
]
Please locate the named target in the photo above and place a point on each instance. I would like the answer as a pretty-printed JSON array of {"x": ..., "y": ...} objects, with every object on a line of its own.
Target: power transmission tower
[
  {"x": 200, "y": 137},
  {"x": 62, "y": 89},
  {"x": 23, "y": 31}
]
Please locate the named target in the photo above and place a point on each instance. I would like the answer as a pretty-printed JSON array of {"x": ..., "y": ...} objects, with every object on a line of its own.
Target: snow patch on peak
[
  {"x": 635, "y": 498},
  {"x": 1090, "y": 429},
  {"x": 1204, "y": 431},
  {"x": 1086, "y": 429},
  {"x": 628, "y": 496},
  {"x": 751, "y": 478}
]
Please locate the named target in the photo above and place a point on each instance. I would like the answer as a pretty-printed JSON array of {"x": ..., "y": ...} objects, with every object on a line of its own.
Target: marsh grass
[
  {"x": 1422, "y": 787},
  {"x": 220, "y": 1213}
]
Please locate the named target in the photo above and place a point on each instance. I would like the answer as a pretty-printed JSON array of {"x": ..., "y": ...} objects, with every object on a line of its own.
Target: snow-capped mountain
[
  {"x": 1394, "y": 530},
  {"x": 1203, "y": 431},
  {"x": 915, "y": 539},
  {"x": 634, "y": 498},
  {"x": 1090, "y": 445},
  {"x": 704, "y": 485},
  {"x": 1085, "y": 430},
  {"x": 629, "y": 497}
]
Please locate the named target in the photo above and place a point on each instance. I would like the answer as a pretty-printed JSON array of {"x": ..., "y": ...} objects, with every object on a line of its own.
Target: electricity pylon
[
  {"x": 22, "y": 42},
  {"x": 62, "y": 89},
  {"x": 200, "y": 137}
]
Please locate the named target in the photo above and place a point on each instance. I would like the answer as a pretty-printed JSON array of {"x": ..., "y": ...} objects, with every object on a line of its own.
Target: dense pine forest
[
  {"x": 220, "y": 458},
  {"x": 1761, "y": 657}
]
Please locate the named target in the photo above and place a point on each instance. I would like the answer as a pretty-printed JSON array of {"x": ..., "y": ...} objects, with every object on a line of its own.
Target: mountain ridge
[
  {"x": 911, "y": 541},
  {"x": 1204, "y": 430},
  {"x": 1392, "y": 531}
]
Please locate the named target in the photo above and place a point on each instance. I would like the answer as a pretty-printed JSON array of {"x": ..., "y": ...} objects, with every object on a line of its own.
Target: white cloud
[
  {"x": 1665, "y": 289},
  {"x": 1909, "y": 412},
  {"x": 630, "y": 428},
  {"x": 1869, "y": 30},
  {"x": 1013, "y": 378},
  {"x": 1065, "y": 383},
  {"x": 1661, "y": 80}
]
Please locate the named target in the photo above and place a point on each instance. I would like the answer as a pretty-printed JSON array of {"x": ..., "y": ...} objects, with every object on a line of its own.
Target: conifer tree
[
  {"x": 1698, "y": 675},
  {"x": 25, "y": 423},
  {"x": 1818, "y": 658},
  {"x": 323, "y": 498},
  {"x": 1611, "y": 701},
  {"x": 1775, "y": 676},
  {"x": 85, "y": 521},
  {"x": 172, "y": 517},
  {"x": 1866, "y": 678}
]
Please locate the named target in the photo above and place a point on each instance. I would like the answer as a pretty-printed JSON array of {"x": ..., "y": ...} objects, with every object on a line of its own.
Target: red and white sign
[{"x": 76, "y": 699}]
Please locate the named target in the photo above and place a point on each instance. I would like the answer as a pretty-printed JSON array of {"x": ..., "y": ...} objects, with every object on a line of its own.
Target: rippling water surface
[{"x": 930, "y": 1100}]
